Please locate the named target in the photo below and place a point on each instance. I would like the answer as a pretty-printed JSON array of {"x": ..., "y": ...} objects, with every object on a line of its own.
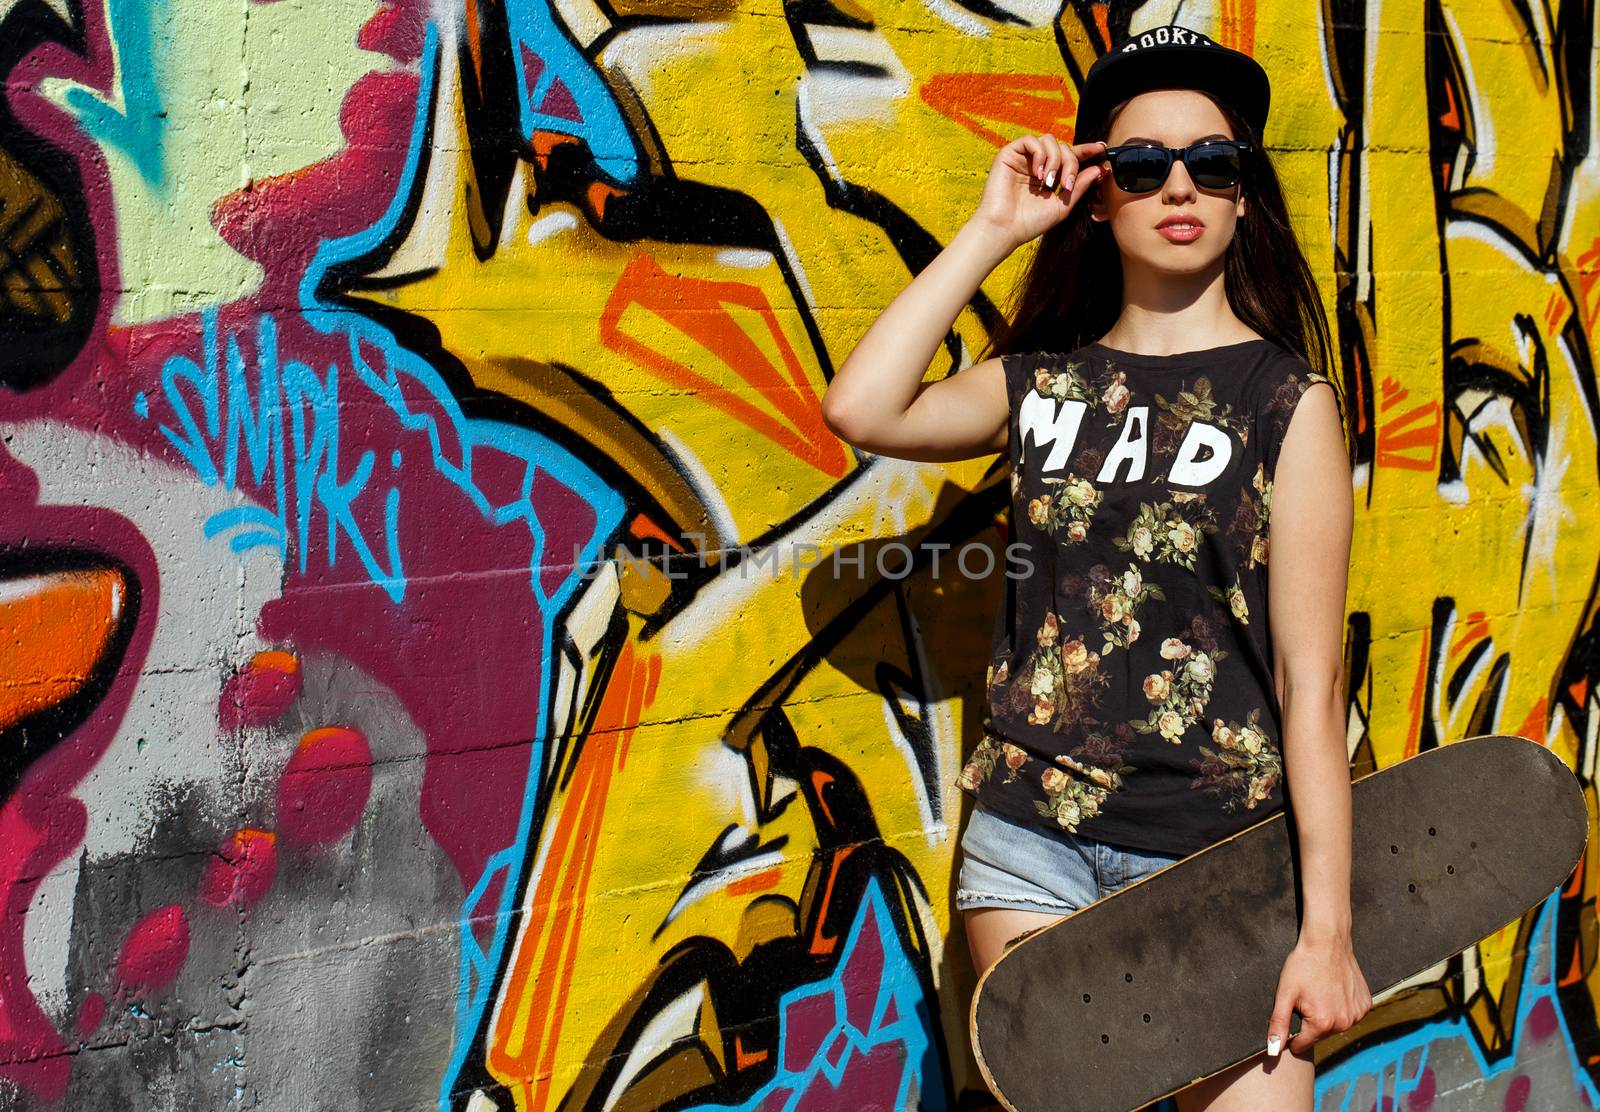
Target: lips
[{"x": 1176, "y": 232}]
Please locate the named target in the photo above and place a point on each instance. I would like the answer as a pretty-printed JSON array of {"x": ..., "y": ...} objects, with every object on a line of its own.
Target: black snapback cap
[{"x": 1173, "y": 57}]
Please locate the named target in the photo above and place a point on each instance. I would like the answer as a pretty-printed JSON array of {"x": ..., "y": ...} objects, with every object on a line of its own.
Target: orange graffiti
[
  {"x": 1409, "y": 439},
  {"x": 1033, "y": 103},
  {"x": 1414, "y": 704},
  {"x": 1555, "y": 311},
  {"x": 527, "y": 1032},
  {"x": 698, "y": 310},
  {"x": 821, "y": 942},
  {"x": 1588, "y": 275},
  {"x": 1477, "y": 628},
  {"x": 1534, "y": 727},
  {"x": 763, "y": 881},
  {"x": 57, "y": 625},
  {"x": 1237, "y": 23},
  {"x": 1102, "y": 23}
]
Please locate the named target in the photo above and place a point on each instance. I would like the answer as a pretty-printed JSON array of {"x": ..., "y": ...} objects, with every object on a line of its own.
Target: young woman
[{"x": 1149, "y": 692}]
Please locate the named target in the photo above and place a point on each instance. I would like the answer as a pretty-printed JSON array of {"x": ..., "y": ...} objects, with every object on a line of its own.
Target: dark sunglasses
[{"x": 1143, "y": 167}]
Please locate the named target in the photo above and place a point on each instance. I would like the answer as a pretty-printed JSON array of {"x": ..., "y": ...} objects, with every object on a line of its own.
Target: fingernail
[
  {"x": 1067, "y": 183},
  {"x": 1272, "y": 1046},
  {"x": 1050, "y": 180}
]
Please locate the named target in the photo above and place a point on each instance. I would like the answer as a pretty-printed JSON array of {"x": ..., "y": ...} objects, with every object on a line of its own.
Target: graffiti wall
[{"x": 427, "y": 674}]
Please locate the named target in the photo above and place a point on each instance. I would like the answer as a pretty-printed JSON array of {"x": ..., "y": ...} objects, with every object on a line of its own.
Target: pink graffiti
[
  {"x": 324, "y": 789},
  {"x": 155, "y": 950},
  {"x": 1542, "y": 1019},
  {"x": 242, "y": 871},
  {"x": 1420, "y": 1099},
  {"x": 260, "y": 692},
  {"x": 90, "y": 1013},
  {"x": 42, "y": 823}
]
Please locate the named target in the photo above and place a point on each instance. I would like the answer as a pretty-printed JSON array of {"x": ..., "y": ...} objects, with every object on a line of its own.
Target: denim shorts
[{"x": 1005, "y": 864}]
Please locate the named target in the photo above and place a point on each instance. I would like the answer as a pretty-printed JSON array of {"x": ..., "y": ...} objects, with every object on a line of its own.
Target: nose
[{"x": 1179, "y": 186}]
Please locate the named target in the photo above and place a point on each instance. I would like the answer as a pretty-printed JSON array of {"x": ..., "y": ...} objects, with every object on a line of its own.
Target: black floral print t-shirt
[{"x": 1130, "y": 689}]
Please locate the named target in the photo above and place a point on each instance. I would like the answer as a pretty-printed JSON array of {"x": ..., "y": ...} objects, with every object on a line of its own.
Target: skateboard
[{"x": 1172, "y": 979}]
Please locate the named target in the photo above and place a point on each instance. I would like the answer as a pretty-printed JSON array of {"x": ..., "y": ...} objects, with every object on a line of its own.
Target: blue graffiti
[
  {"x": 1384, "y": 1063},
  {"x": 244, "y": 408},
  {"x": 137, "y": 130},
  {"x": 277, "y": 424},
  {"x": 559, "y": 91},
  {"x": 897, "y": 1021}
]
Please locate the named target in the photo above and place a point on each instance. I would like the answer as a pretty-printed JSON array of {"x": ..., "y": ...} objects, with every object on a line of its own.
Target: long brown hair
[{"x": 1265, "y": 274}]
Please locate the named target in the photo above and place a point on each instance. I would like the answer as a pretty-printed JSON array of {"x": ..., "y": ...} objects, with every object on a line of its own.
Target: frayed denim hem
[{"x": 971, "y": 901}]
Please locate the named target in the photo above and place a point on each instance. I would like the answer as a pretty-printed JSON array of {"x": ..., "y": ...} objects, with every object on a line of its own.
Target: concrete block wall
[{"x": 419, "y": 685}]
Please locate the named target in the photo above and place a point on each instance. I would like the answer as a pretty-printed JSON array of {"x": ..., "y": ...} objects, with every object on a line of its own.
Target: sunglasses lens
[
  {"x": 1141, "y": 170},
  {"x": 1214, "y": 166}
]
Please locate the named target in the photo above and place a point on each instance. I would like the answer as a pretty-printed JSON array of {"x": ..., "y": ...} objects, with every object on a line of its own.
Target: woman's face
[{"x": 1171, "y": 118}]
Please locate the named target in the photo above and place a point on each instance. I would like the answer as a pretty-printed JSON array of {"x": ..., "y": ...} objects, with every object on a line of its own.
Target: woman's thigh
[
  {"x": 990, "y": 928},
  {"x": 1286, "y": 1083}
]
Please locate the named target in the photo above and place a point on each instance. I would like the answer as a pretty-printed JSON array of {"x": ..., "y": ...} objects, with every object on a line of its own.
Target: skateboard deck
[{"x": 1172, "y": 979}]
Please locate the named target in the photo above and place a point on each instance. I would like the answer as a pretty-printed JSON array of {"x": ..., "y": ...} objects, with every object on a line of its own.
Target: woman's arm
[
  {"x": 1309, "y": 552},
  {"x": 1308, "y": 548},
  {"x": 877, "y": 399}
]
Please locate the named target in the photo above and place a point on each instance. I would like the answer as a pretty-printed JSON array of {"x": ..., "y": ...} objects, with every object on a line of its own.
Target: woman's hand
[
  {"x": 1321, "y": 981},
  {"x": 1034, "y": 183}
]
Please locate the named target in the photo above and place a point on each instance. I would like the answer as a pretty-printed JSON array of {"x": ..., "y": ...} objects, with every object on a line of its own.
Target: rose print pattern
[
  {"x": 1108, "y": 751},
  {"x": 1089, "y": 460},
  {"x": 1015, "y": 758},
  {"x": 991, "y": 752},
  {"x": 1244, "y": 767},
  {"x": 1163, "y": 531},
  {"x": 1194, "y": 404},
  {"x": 1064, "y": 383},
  {"x": 1069, "y": 800},
  {"x": 1088, "y": 774},
  {"x": 1070, "y": 507},
  {"x": 1178, "y": 694},
  {"x": 1249, "y": 526},
  {"x": 1116, "y": 598},
  {"x": 1233, "y": 598},
  {"x": 1114, "y": 394},
  {"x": 1058, "y": 684},
  {"x": 980, "y": 766},
  {"x": 1279, "y": 406}
]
